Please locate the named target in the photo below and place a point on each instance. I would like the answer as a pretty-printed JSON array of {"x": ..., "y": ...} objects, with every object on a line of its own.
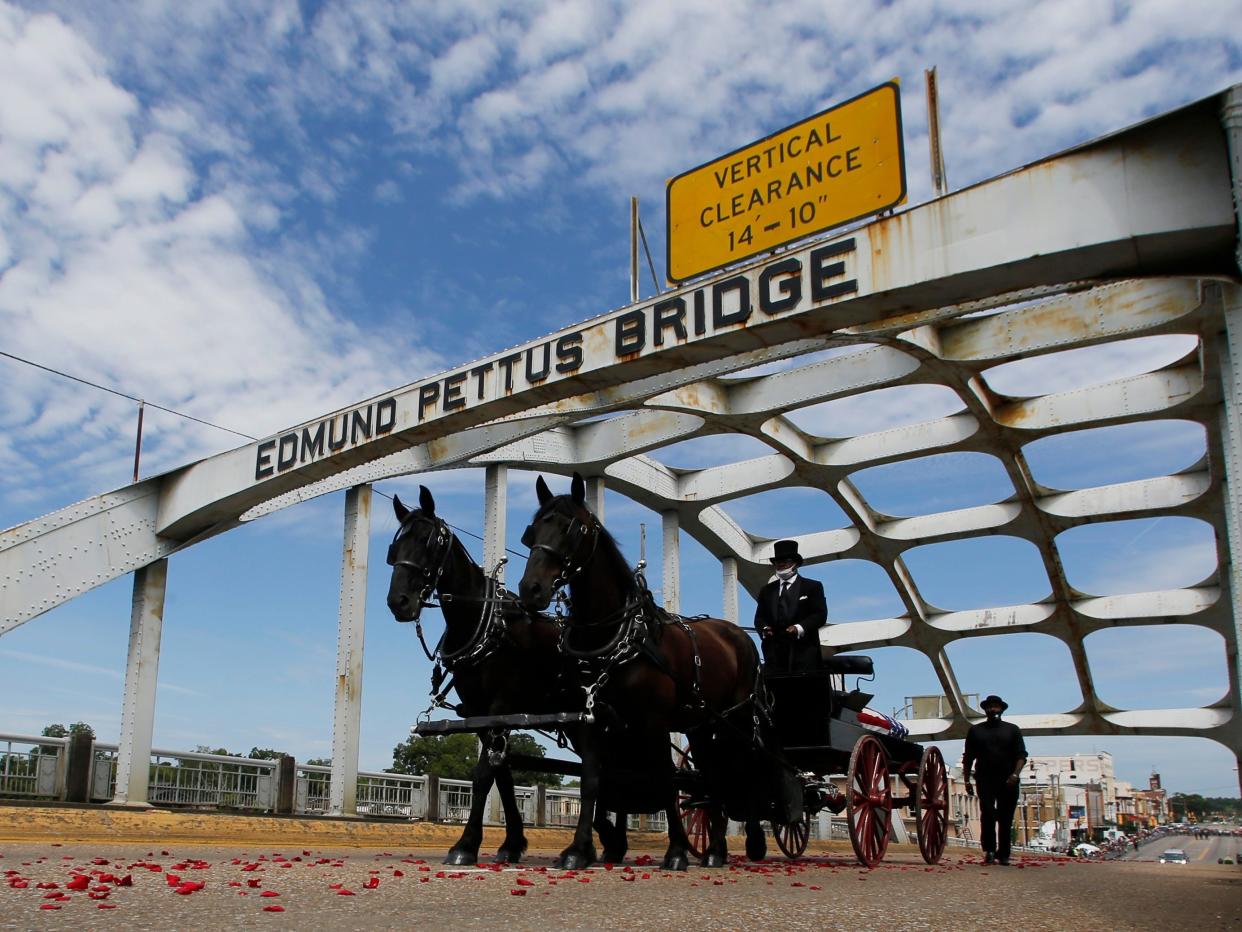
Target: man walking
[
  {"x": 996, "y": 753},
  {"x": 789, "y": 612}
]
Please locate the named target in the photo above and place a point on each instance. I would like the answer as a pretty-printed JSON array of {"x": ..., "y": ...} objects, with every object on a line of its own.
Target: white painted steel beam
[
  {"x": 495, "y": 516},
  {"x": 728, "y": 582},
  {"x": 595, "y": 496},
  {"x": 1137, "y": 201},
  {"x": 146, "y": 626},
  {"x": 671, "y": 528},
  {"x": 347, "y": 708}
]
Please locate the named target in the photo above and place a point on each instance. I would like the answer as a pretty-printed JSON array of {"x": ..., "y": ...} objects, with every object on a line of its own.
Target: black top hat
[
  {"x": 994, "y": 700},
  {"x": 786, "y": 550}
]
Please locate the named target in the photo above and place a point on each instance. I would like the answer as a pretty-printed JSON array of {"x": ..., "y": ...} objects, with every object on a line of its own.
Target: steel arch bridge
[{"x": 1132, "y": 235}]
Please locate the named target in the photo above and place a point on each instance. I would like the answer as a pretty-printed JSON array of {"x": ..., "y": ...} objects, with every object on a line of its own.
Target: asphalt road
[
  {"x": 185, "y": 886},
  {"x": 1198, "y": 850}
]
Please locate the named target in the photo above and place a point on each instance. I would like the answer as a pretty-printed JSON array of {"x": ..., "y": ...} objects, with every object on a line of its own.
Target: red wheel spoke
[
  {"x": 932, "y": 801},
  {"x": 870, "y": 800}
]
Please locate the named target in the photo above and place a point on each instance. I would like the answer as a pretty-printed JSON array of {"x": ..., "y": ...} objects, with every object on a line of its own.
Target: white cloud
[{"x": 131, "y": 267}]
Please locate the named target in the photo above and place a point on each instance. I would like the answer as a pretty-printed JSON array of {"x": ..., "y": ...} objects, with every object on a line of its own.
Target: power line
[
  {"x": 190, "y": 417},
  {"x": 121, "y": 394}
]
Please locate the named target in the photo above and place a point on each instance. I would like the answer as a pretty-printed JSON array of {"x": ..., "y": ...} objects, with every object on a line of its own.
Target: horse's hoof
[
  {"x": 614, "y": 857},
  {"x": 510, "y": 853},
  {"x": 462, "y": 858},
  {"x": 756, "y": 851},
  {"x": 714, "y": 860},
  {"x": 676, "y": 862},
  {"x": 573, "y": 861}
]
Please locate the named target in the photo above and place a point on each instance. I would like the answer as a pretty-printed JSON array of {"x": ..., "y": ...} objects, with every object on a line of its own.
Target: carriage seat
[{"x": 846, "y": 665}]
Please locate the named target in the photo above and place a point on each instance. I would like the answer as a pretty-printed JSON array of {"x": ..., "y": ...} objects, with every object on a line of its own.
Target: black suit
[
  {"x": 803, "y": 604},
  {"x": 994, "y": 751}
]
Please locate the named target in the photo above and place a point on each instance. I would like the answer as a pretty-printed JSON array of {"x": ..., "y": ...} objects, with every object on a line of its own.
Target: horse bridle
[
  {"x": 486, "y": 634},
  {"x": 438, "y": 540},
  {"x": 570, "y": 545}
]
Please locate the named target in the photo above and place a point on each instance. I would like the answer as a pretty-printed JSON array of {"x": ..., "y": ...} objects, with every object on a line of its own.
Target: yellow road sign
[{"x": 839, "y": 165}]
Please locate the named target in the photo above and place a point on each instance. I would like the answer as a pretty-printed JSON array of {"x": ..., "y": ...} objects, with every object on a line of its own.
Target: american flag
[{"x": 882, "y": 724}]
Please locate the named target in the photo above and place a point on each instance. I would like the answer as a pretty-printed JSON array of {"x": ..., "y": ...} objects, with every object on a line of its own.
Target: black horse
[
  {"x": 503, "y": 659},
  {"x": 653, "y": 673}
]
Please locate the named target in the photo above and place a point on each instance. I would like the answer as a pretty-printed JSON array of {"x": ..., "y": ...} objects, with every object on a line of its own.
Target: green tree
[
  {"x": 265, "y": 754},
  {"x": 320, "y": 761},
  {"x": 525, "y": 744},
  {"x": 58, "y": 730},
  {"x": 453, "y": 757},
  {"x": 1227, "y": 807},
  {"x": 1184, "y": 804},
  {"x": 448, "y": 756}
]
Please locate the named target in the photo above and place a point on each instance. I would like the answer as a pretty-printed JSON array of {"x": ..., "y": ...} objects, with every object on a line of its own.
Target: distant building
[
  {"x": 964, "y": 822},
  {"x": 1095, "y": 770}
]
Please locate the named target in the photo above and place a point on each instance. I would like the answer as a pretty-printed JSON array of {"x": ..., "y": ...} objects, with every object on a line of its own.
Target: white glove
[{"x": 797, "y": 629}]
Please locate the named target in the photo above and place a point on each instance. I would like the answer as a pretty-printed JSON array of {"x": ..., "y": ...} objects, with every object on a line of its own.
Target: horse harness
[
  {"x": 636, "y": 625},
  {"x": 489, "y": 632},
  {"x": 578, "y": 530}
]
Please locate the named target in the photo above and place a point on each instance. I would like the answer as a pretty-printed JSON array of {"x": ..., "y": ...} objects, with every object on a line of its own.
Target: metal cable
[
  {"x": 647, "y": 249},
  {"x": 113, "y": 391}
]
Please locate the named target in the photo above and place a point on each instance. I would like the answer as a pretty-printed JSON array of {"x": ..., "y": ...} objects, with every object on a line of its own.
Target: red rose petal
[
  {"x": 106, "y": 906},
  {"x": 80, "y": 882},
  {"x": 517, "y": 893},
  {"x": 273, "y": 909},
  {"x": 344, "y": 892},
  {"x": 49, "y": 906},
  {"x": 370, "y": 883},
  {"x": 269, "y": 893}
]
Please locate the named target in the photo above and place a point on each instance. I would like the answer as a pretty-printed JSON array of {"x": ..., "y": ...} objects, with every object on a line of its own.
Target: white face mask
[{"x": 786, "y": 574}]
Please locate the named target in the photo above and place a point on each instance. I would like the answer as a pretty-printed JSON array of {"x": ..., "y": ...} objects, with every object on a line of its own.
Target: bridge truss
[{"x": 1134, "y": 235}]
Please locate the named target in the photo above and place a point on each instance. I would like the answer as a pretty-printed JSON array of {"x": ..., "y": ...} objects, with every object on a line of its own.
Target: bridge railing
[
  {"x": 32, "y": 767},
  {"x": 193, "y": 779},
  {"x": 561, "y": 807},
  {"x": 35, "y": 767},
  {"x": 393, "y": 795}
]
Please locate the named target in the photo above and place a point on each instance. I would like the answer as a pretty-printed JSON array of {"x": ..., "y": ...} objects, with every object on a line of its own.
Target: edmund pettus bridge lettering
[{"x": 781, "y": 287}]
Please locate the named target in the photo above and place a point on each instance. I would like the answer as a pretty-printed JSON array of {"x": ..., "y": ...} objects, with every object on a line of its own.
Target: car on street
[{"x": 1174, "y": 856}]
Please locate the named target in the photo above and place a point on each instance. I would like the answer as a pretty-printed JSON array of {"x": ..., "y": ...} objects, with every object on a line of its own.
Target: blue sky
[{"x": 257, "y": 213}]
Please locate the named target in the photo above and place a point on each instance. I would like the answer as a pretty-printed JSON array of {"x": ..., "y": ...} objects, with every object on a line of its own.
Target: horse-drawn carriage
[
  {"x": 618, "y": 675},
  {"x": 822, "y": 731}
]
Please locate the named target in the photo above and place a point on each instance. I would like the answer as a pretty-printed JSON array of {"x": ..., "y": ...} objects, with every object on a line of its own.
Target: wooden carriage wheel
[
  {"x": 792, "y": 838},
  {"x": 931, "y": 805},
  {"x": 693, "y": 816},
  {"x": 869, "y": 800}
]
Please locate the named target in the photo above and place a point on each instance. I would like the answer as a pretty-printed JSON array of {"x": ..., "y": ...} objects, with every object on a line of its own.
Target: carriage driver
[{"x": 789, "y": 612}]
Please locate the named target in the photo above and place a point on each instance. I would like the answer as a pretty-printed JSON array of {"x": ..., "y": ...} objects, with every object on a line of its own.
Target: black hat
[
  {"x": 994, "y": 700},
  {"x": 786, "y": 550}
]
